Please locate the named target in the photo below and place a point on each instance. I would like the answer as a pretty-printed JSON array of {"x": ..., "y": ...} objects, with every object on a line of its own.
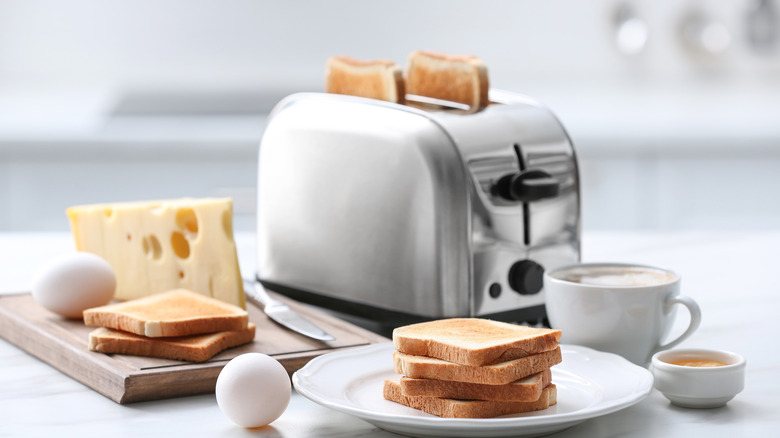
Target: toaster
[{"x": 414, "y": 212}]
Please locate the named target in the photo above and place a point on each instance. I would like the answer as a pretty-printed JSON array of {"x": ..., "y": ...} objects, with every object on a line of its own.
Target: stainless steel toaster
[{"x": 399, "y": 212}]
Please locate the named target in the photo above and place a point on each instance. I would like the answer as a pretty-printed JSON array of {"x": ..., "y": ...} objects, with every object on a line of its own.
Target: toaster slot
[
  {"x": 525, "y": 186},
  {"x": 526, "y": 210},
  {"x": 553, "y": 219},
  {"x": 519, "y": 155}
]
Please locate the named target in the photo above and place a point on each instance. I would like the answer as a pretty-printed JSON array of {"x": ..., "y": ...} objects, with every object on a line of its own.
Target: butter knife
[{"x": 282, "y": 314}]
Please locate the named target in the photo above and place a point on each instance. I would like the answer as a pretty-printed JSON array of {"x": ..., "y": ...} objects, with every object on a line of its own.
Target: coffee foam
[{"x": 617, "y": 276}]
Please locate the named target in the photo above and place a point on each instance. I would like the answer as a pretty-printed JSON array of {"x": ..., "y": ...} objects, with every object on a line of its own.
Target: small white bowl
[{"x": 697, "y": 386}]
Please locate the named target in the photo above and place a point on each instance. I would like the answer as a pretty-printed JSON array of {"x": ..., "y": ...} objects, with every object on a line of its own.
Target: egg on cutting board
[
  {"x": 253, "y": 390},
  {"x": 74, "y": 282}
]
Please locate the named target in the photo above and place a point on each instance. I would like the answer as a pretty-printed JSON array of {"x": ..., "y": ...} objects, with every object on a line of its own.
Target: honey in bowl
[{"x": 702, "y": 363}]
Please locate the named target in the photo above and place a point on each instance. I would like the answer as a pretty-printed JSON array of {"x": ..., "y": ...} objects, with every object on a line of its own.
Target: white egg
[
  {"x": 74, "y": 282},
  {"x": 253, "y": 390}
]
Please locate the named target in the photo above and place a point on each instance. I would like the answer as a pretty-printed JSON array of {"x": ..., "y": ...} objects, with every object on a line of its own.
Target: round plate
[{"x": 590, "y": 384}]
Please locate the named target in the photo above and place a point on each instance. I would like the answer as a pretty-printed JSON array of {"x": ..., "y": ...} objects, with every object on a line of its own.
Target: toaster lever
[{"x": 526, "y": 186}]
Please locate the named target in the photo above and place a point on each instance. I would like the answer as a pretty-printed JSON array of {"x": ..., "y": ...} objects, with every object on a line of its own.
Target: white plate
[{"x": 590, "y": 384}]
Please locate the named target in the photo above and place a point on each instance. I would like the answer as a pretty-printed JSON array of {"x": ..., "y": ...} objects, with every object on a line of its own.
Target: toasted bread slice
[
  {"x": 454, "y": 78},
  {"x": 420, "y": 367},
  {"x": 179, "y": 312},
  {"x": 452, "y": 408},
  {"x": 473, "y": 341},
  {"x": 526, "y": 389},
  {"x": 381, "y": 79},
  {"x": 193, "y": 348}
]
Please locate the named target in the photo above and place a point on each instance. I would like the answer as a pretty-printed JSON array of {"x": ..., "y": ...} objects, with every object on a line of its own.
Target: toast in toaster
[
  {"x": 420, "y": 367},
  {"x": 454, "y": 78},
  {"x": 178, "y": 312},
  {"x": 473, "y": 341},
  {"x": 193, "y": 348},
  {"x": 526, "y": 389},
  {"x": 379, "y": 79},
  {"x": 452, "y": 408}
]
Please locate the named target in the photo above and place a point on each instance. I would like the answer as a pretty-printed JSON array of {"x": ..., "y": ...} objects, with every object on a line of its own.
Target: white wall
[
  {"x": 180, "y": 42},
  {"x": 676, "y": 138}
]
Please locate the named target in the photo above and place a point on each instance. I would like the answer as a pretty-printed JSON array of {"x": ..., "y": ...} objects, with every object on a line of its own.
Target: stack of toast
[
  {"x": 473, "y": 368},
  {"x": 178, "y": 324},
  {"x": 459, "y": 79}
]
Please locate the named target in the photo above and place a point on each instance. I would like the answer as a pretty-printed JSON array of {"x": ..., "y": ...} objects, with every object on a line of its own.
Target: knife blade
[{"x": 282, "y": 314}]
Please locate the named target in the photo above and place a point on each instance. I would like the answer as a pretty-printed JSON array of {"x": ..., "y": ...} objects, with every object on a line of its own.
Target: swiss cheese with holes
[{"x": 156, "y": 246}]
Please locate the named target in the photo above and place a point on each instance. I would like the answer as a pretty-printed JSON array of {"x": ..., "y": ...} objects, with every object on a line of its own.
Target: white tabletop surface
[{"x": 732, "y": 276}]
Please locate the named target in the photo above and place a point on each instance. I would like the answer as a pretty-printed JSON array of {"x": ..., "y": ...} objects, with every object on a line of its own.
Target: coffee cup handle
[{"x": 695, "y": 312}]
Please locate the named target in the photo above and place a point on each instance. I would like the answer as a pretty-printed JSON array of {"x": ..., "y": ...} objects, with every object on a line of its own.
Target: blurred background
[{"x": 673, "y": 105}]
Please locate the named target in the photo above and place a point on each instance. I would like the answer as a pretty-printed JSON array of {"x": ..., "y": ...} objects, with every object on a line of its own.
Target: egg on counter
[
  {"x": 74, "y": 282},
  {"x": 253, "y": 390}
]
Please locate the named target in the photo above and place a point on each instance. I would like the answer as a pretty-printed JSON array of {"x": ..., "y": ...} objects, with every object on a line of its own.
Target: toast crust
[
  {"x": 379, "y": 79},
  {"x": 473, "y": 341},
  {"x": 526, "y": 389},
  {"x": 454, "y": 78},
  {"x": 193, "y": 348},
  {"x": 420, "y": 367},
  {"x": 451, "y": 408},
  {"x": 178, "y": 312}
]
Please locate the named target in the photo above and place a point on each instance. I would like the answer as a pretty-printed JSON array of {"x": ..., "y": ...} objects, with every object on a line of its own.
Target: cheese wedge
[{"x": 156, "y": 246}]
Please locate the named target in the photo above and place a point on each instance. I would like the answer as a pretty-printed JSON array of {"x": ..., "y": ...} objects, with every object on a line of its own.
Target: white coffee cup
[{"x": 619, "y": 308}]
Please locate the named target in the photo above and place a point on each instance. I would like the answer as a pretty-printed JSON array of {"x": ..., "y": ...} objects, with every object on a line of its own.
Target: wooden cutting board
[{"x": 62, "y": 343}]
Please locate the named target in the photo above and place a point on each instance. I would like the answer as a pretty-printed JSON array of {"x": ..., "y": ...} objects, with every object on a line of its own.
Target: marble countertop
[{"x": 730, "y": 275}]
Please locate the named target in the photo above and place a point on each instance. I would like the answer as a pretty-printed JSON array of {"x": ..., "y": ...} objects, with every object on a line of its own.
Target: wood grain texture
[{"x": 63, "y": 344}]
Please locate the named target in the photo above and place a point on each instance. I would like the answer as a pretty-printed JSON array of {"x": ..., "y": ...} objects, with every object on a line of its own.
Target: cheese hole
[
  {"x": 151, "y": 246},
  {"x": 108, "y": 212},
  {"x": 227, "y": 223},
  {"x": 181, "y": 274},
  {"x": 187, "y": 221},
  {"x": 129, "y": 237},
  {"x": 180, "y": 245}
]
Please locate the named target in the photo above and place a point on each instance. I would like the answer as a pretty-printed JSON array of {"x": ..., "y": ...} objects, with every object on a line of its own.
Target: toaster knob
[
  {"x": 526, "y": 186},
  {"x": 525, "y": 277}
]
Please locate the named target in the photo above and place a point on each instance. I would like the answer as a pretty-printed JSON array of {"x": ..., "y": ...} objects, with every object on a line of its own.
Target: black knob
[
  {"x": 526, "y": 277},
  {"x": 526, "y": 186}
]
